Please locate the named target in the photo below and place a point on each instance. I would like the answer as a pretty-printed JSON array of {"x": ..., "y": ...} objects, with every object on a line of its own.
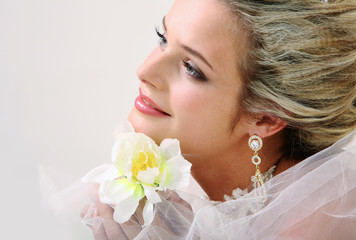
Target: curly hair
[{"x": 301, "y": 67}]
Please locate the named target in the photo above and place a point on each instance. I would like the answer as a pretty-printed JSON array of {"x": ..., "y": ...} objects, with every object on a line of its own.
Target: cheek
[
  {"x": 192, "y": 103},
  {"x": 202, "y": 118},
  {"x": 204, "y": 106}
]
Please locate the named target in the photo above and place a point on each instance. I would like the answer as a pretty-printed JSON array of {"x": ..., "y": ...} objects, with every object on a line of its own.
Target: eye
[
  {"x": 194, "y": 71},
  {"x": 162, "y": 39}
]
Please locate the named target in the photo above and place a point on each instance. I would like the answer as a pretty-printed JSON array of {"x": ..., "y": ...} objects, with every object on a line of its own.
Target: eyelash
[
  {"x": 162, "y": 38},
  {"x": 190, "y": 70}
]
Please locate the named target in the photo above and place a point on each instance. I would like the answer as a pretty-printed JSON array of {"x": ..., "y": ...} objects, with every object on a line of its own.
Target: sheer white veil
[{"x": 315, "y": 199}]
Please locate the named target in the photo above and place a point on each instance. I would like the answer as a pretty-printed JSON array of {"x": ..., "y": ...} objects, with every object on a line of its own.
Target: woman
[{"x": 228, "y": 70}]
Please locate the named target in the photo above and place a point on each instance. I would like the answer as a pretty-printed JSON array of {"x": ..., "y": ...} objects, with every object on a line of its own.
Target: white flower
[{"x": 139, "y": 168}]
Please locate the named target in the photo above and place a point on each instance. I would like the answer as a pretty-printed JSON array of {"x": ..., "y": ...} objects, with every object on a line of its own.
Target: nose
[{"x": 153, "y": 70}]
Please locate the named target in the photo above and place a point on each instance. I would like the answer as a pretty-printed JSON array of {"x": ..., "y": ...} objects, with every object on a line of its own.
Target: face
[{"x": 191, "y": 83}]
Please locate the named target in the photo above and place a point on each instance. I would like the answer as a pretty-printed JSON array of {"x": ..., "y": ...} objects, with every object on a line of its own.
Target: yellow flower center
[{"x": 142, "y": 161}]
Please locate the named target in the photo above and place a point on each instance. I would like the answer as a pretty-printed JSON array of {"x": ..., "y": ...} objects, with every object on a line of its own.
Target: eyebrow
[{"x": 188, "y": 49}]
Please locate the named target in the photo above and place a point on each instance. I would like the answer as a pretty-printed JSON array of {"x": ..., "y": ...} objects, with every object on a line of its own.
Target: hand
[
  {"x": 168, "y": 218},
  {"x": 99, "y": 217},
  {"x": 111, "y": 230}
]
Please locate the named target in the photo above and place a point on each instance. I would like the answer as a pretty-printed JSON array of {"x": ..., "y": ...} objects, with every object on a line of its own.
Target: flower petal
[
  {"x": 147, "y": 213},
  {"x": 178, "y": 173},
  {"x": 125, "y": 209},
  {"x": 170, "y": 147},
  {"x": 113, "y": 192},
  {"x": 151, "y": 194},
  {"x": 128, "y": 147},
  {"x": 100, "y": 174},
  {"x": 148, "y": 176}
]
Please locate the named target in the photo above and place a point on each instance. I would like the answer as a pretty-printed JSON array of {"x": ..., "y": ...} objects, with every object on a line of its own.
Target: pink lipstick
[{"x": 145, "y": 105}]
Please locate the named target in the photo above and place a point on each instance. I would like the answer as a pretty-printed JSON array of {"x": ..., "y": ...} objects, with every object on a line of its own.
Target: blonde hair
[{"x": 301, "y": 67}]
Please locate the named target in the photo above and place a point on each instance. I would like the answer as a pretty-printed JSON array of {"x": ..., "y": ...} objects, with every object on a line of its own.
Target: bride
[{"x": 262, "y": 97}]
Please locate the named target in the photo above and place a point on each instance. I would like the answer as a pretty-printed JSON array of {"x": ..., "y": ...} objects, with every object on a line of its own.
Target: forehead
[{"x": 209, "y": 27}]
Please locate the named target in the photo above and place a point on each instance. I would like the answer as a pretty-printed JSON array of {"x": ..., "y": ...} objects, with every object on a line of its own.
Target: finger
[
  {"x": 89, "y": 215},
  {"x": 131, "y": 228},
  {"x": 84, "y": 211},
  {"x": 99, "y": 230},
  {"x": 134, "y": 226},
  {"x": 174, "y": 197},
  {"x": 112, "y": 229},
  {"x": 93, "y": 191},
  {"x": 137, "y": 217},
  {"x": 99, "y": 233},
  {"x": 174, "y": 214}
]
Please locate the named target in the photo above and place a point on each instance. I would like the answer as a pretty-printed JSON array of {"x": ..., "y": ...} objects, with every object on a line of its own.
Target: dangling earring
[{"x": 255, "y": 143}]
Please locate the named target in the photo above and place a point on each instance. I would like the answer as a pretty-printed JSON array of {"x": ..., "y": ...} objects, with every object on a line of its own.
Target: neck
[{"x": 220, "y": 175}]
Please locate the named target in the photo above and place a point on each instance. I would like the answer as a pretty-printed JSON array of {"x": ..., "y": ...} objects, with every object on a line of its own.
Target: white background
[{"x": 67, "y": 78}]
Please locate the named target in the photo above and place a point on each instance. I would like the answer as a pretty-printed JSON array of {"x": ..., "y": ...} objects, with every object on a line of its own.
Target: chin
[{"x": 147, "y": 125}]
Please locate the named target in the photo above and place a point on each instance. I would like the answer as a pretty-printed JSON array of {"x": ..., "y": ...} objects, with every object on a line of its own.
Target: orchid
[{"x": 139, "y": 169}]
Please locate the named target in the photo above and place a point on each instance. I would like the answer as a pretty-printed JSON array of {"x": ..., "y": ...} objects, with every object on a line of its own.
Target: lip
[{"x": 145, "y": 105}]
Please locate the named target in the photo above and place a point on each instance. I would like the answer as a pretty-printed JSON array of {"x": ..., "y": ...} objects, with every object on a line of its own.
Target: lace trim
[
  {"x": 238, "y": 192},
  {"x": 247, "y": 206}
]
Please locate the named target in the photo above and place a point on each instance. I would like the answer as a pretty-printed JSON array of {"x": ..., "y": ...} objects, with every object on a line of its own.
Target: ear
[{"x": 266, "y": 125}]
